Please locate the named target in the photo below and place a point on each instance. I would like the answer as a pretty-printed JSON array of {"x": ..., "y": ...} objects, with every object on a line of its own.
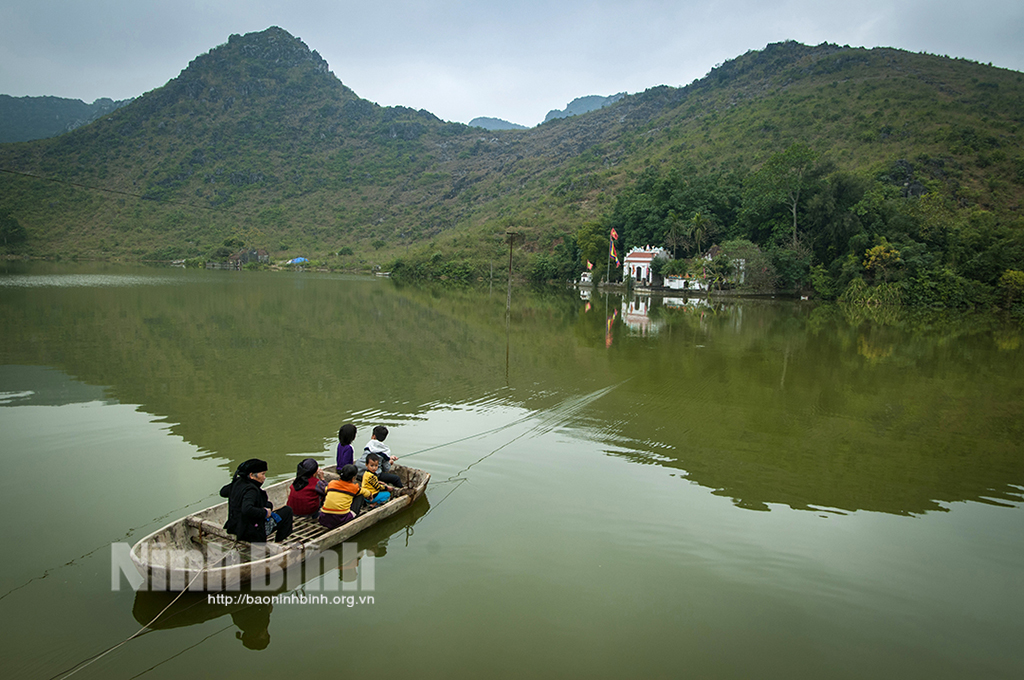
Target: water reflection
[
  {"x": 763, "y": 401},
  {"x": 810, "y": 408},
  {"x": 42, "y": 386}
]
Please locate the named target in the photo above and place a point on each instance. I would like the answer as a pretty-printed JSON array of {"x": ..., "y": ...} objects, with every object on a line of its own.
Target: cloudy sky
[{"x": 460, "y": 59}]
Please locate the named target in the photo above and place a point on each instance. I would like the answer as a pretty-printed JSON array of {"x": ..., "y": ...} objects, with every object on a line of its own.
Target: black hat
[{"x": 252, "y": 466}]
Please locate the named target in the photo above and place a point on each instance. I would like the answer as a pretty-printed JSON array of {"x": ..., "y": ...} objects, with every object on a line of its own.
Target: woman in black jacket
[{"x": 251, "y": 516}]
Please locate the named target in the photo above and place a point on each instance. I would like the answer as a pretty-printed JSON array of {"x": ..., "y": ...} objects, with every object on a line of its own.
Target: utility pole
[{"x": 508, "y": 303}]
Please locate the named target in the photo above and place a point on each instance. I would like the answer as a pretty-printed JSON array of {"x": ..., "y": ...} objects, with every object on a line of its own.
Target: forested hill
[
  {"x": 26, "y": 118},
  {"x": 258, "y": 143}
]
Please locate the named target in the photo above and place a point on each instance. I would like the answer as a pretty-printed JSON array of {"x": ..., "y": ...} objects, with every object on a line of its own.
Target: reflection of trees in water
[{"x": 812, "y": 408}]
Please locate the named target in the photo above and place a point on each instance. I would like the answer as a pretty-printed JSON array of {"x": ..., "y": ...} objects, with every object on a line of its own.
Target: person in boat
[
  {"x": 337, "y": 507},
  {"x": 251, "y": 515},
  {"x": 377, "y": 445},
  {"x": 306, "y": 494},
  {"x": 374, "y": 491},
  {"x": 346, "y": 435}
]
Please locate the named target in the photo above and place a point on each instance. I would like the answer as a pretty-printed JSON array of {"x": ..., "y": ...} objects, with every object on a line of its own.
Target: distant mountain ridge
[
  {"x": 258, "y": 143},
  {"x": 582, "y": 105},
  {"x": 576, "y": 107},
  {"x": 495, "y": 124},
  {"x": 23, "y": 119}
]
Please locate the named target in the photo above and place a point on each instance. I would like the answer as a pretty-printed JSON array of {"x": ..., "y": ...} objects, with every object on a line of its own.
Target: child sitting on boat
[
  {"x": 346, "y": 435},
  {"x": 337, "y": 509},
  {"x": 251, "y": 515},
  {"x": 376, "y": 445},
  {"x": 306, "y": 494},
  {"x": 373, "y": 490}
]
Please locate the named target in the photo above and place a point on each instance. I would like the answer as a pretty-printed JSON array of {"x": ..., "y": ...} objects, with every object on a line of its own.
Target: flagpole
[{"x": 608, "y": 269}]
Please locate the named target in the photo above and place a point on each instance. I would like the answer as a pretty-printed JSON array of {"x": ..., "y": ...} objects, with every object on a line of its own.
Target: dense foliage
[
  {"x": 828, "y": 228},
  {"x": 807, "y": 157}
]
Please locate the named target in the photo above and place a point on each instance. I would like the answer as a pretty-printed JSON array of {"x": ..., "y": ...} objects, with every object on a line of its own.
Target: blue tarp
[{"x": 298, "y": 260}]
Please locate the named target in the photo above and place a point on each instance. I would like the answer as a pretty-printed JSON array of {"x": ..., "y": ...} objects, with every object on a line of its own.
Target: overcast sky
[{"x": 460, "y": 59}]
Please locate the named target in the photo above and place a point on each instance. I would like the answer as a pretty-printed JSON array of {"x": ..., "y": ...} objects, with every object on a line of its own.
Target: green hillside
[
  {"x": 258, "y": 143},
  {"x": 26, "y": 118}
]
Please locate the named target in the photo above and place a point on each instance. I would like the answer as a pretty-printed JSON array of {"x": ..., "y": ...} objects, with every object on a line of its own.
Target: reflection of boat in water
[
  {"x": 252, "y": 620},
  {"x": 252, "y": 616},
  {"x": 196, "y": 553}
]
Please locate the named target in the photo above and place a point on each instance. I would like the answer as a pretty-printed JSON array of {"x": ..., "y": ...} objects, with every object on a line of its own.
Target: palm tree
[
  {"x": 676, "y": 236},
  {"x": 700, "y": 227}
]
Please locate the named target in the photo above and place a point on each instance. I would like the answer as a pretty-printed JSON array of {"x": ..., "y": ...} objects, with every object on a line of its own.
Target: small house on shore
[
  {"x": 639, "y": 265},
  {"x": 685, "y": 282}
]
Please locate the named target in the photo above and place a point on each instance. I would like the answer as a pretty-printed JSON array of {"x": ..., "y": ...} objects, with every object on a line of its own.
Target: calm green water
[{"x": 650, "y": 489}]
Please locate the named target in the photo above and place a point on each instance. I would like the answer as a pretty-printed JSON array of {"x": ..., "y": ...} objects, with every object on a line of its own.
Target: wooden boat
[{"x": 195, "y": 553}]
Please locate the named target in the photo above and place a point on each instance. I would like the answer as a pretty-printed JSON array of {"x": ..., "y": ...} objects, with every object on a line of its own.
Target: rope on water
[
  {"x": 558, "y": 415},
  {"x": 91, "y": 660}
]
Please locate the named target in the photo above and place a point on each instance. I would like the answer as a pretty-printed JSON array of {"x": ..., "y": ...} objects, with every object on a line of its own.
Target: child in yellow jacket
[{"x": 373, "y": 490}]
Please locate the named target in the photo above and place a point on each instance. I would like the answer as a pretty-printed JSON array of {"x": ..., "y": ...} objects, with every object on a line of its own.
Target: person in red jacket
[{"x": 306, "y": 494}]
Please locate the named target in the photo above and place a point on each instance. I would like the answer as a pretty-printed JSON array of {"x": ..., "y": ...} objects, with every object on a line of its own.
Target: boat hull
[{"x": 195, "y": 553}]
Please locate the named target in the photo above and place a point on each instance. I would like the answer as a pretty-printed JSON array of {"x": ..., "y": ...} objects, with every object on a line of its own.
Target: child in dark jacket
[{"x": 346, "y": 435}]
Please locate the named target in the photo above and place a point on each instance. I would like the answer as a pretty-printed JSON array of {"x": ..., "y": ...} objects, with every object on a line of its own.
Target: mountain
[
  {"x": 26, "y": 118},
  {"x": 495, "y": 124},
  {"x": 584, "y": 105},
  {"x": 257, "y": 143}
]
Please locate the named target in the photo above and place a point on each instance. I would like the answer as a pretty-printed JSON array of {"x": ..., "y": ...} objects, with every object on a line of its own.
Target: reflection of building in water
[
  {"x": 685, "y": 303},
  {"x": 585, "y": 293},
  {"x": 639, "y": 263},
  {"x": 636, "y": 316}
]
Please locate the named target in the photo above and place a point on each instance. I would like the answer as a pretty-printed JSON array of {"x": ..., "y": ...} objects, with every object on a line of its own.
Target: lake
[{"x": 649, "y": 486}]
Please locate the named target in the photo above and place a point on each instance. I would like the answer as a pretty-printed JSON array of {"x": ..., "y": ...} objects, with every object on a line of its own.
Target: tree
[
  {"x": 882, "y": 260},
  {"x": 1012, "y": 284},
  {"x": 700, "y": 228},
  {"x": 783, "y": 179},
  {"x": 754, "y": 268},
  {"x": 675, "y": 237},
  {"x": 11, "y": 231},
  {"x": 718, "y": 270},
  {"x": 592, "y": 242}
]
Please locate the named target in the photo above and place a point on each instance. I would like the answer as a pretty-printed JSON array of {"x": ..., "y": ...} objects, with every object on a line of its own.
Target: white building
[
  {"x": 685, "y": 282},
  {"x": 639, "y": 261}
]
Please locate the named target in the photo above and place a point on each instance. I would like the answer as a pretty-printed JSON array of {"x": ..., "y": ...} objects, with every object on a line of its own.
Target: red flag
[
  {"x": 615, "y": 234},
  {"x": 590, "y": 265}
]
